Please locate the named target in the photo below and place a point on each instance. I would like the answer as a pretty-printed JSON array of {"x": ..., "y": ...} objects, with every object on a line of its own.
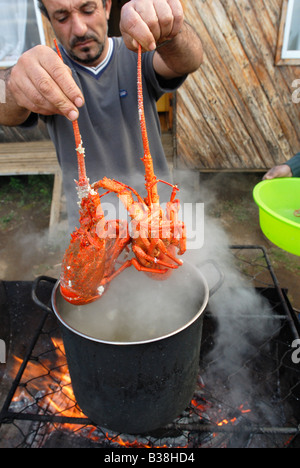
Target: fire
[
  {"x": 199, "y": 406},
  {"x": 244, "y": 411},
  {"x": 41, "y": 383},
  {"x": 235, "y": 419},
  {"x": 226, "y": 421},
  {"x": 135, "y": 444}
]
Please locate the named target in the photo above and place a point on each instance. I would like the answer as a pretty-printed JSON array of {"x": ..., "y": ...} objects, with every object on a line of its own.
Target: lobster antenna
[
  {"x": 83, "y": 180},
  {"x": 150, "y": 177}
]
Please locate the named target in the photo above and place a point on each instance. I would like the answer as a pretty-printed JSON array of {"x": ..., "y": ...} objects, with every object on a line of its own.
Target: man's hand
[
  {"x": 40, "y": 82},
  {"x": 278, "y": 172},
  {"x": 150, "y": 22}
]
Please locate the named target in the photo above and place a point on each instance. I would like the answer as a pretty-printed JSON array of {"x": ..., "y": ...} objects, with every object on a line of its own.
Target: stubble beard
[{"x": 90, "y": 57}]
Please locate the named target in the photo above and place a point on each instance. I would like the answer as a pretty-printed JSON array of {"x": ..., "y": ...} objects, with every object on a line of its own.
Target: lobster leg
[
  {"x": 157, "y": 244},
  {"x": 146, "y": 269},
  {"x": 124, "y": 193}
]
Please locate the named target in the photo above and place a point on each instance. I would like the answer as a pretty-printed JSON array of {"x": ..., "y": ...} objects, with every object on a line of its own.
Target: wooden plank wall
[
  {"x": 236, "y": 112},
  {"x": 18, "y": 134}
]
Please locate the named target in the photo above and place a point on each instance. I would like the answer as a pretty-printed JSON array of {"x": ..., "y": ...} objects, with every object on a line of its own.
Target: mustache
[{"x": 79, "y": 40}]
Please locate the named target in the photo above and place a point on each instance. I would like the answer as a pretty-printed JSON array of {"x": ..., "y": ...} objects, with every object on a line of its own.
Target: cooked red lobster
[{"x": 90, "y": 262}]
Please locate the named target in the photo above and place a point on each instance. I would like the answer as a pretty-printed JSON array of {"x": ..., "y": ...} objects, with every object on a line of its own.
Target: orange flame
[
  {"x": 135, "y": 444},
  {"x": 234, "y": 420},
  {"x": 39, "y": 376},
  {"x": 242, "y": 410}
]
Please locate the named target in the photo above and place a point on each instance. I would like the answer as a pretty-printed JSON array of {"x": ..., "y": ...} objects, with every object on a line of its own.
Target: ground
[{"x": 26, "y": 251}]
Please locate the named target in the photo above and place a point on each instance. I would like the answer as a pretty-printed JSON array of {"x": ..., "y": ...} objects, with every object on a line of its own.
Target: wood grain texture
[{"x": 236, "y": 112}]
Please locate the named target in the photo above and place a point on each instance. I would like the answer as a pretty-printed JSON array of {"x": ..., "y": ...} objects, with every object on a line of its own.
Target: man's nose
[{"x": 79, "y": 27}]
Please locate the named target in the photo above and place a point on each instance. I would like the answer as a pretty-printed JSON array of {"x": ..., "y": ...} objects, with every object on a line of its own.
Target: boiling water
[{"x": 137, "y": 308}]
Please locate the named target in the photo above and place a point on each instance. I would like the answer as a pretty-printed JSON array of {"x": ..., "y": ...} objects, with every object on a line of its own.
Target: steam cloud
[{"x": 244, "y": 318}]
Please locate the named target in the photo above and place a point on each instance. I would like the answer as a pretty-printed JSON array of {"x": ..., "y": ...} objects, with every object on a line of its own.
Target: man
[
  {"x": 99, "y": 78},
  {"x": 289, "y": 169}
]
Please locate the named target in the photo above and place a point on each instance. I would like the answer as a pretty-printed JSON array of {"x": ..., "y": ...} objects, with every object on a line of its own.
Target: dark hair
[
  {"x": 43, "y": 9},
  {"x": 45, "y": 12}
]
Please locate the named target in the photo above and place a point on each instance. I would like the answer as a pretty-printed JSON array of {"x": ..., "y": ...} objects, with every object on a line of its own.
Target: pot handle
[
  {"x": 221, "y": 279},
  {"x": 35, "y": 286}
]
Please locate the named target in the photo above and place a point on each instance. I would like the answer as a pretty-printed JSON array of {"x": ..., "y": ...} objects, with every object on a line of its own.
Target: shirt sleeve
[
  {"x": 31, "y": 121},
  {"x": 294, "y": 164}
]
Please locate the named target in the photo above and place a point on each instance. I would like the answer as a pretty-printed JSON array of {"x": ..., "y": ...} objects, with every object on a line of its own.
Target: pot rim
[{"x": 134, "y": 343}]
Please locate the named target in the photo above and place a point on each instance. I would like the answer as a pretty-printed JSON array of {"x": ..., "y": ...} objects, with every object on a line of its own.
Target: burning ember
[
  {"x": 235, "y": 419},
  {"x": 49, "y": 388}
]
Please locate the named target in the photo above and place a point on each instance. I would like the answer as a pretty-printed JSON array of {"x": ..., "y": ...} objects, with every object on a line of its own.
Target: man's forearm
[
  {"x": 10, "y": 113},
  {"x": 183, "y": 54}
]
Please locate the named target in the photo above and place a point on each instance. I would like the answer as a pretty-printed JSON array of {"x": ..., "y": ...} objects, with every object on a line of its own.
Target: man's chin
[
  {"x": 86, "y": 57},
  {"x": 89, "y": 61}
]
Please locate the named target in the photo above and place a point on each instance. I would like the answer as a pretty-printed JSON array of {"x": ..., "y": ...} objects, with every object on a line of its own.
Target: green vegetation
[{"x": 26, "y": 192}]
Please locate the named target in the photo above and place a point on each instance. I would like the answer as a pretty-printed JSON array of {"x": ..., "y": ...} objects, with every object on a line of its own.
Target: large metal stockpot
[{"x": 133, "y": 355}]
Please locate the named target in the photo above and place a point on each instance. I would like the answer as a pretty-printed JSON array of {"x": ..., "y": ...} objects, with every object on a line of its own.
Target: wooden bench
[{"x": 33, "y": 158}]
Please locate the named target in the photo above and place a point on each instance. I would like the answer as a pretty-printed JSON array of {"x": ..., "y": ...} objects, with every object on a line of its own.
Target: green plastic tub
[{"x": 278, "y": 199}]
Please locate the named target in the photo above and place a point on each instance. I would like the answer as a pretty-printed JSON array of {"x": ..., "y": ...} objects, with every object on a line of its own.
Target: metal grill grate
[{"x": 40, "y": 410}]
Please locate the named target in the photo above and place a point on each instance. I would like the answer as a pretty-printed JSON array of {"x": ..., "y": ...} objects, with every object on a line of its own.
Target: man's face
[{"x": 81, "y": 27}]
